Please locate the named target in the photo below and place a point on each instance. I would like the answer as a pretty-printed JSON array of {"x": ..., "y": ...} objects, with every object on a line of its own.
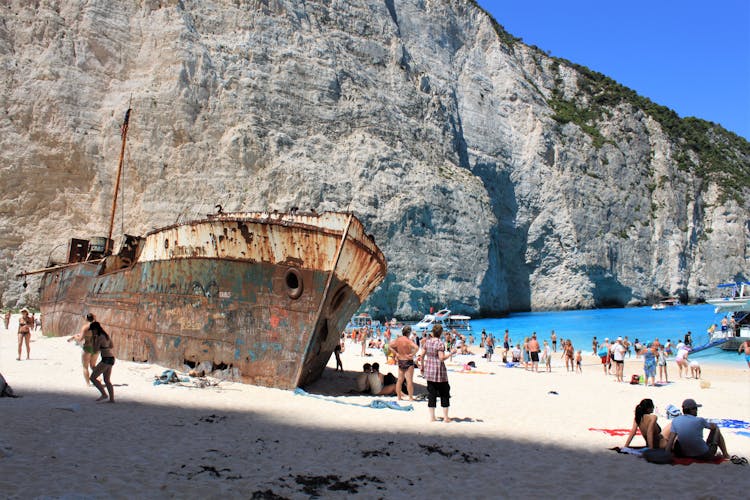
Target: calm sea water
[{"x": 641, "y": 323}]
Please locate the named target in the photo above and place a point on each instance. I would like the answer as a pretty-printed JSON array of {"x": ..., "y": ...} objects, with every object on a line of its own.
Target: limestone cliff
[{"x": 493, "y": 177}]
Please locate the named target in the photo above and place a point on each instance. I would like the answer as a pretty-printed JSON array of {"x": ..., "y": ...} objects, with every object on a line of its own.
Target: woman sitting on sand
[{"x": 645, "y": 421}]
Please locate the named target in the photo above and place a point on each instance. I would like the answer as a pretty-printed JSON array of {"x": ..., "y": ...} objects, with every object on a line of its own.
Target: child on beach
[
  {"x": 661, "y": 362},
  {"x": 547, "y": 356},
  {"x": 578, "y": 362}
]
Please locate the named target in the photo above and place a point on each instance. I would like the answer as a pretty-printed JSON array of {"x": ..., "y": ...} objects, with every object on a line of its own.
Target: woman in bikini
[
  {"x": 645, "y": 421},
  {"x": 103, "y": 344},
  {"x": 405, "y": 349},
  {"x": 86, "y": 339},
  {"x": 568, "y": 354},
  {"x": 25, "y": 323}
]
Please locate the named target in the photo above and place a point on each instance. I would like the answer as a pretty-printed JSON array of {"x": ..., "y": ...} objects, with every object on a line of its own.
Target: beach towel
[
  {"x": 743, "y": 433},
  {"x": 377, "y": 403},
  {"x": 613, "y": 432},
  {"x": 658, "y": 456},
  {"x": 630, "y": 450},
  {"x": 731, "y": 423},
  {"x": 169, "y": 377},
  {"x": 472, "y": 372}
]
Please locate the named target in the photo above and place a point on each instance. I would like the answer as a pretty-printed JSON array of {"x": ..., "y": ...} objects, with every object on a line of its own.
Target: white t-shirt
[{"x": 618, "y": 352}]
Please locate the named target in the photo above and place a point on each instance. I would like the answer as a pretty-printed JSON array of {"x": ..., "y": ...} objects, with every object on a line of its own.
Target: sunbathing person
[
  {"x": 362, "y": 383},
  {"x": 381, "y": 385},
  {"x": 645, "y": 421}
]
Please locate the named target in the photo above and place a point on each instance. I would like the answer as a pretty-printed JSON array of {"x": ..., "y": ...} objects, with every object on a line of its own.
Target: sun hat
[
  {"x": 619, "y": 338},
  {"x": 690, "y": 404}
]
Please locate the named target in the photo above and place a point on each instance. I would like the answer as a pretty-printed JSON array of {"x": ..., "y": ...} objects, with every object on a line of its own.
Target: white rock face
[{"x": 414, "y": 114}]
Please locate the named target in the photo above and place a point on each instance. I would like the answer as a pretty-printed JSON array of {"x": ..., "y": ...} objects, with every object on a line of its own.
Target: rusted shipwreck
[{"x": 265, "y": 293}]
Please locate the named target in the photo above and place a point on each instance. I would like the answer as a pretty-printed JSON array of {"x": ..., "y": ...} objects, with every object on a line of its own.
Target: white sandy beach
[{"x": 511, "y": 436}]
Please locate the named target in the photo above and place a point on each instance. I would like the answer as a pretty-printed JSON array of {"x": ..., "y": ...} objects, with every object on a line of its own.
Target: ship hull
[{"x": 264, "y": 298}]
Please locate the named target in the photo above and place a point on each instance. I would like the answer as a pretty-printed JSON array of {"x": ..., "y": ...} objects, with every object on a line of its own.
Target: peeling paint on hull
[{"x": 267, "y": 294}]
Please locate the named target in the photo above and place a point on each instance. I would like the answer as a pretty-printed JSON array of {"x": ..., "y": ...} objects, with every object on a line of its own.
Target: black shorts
[
  {"x": 405, "y": 364},
  {"x": 108, "y": 361},
  {"x": 435, "y": 389},
  {"x": 534, "y": 356}
]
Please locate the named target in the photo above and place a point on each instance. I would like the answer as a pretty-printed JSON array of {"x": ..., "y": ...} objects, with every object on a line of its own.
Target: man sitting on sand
[{"x": 686, "y": 435}]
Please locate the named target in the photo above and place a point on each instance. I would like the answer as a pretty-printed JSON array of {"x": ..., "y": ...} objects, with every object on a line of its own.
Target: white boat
[
  {"x": 363, "y": 320},
  {"x": 666, "y": 303},
  {"x": 735, "y": 297},
  {"x": 734, "y": 301},
  {"x": 457, "y": 322}
]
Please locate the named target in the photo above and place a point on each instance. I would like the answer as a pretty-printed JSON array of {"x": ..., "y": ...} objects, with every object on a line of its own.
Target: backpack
[{"x": 635, "y": 379}]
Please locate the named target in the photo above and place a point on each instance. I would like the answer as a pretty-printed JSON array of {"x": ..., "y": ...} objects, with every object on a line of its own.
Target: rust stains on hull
[{"x": 264, "y": 294}]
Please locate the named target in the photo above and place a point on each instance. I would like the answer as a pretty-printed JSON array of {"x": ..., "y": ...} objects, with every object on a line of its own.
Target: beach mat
[{"x": 641, "y": 451}]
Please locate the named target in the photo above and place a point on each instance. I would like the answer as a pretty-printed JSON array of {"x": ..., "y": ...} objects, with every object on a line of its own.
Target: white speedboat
[{"x": 457, "y": 322}]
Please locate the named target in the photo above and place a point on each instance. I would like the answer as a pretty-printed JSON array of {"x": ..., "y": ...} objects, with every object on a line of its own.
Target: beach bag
[
  {"x": 657, "y": 456},
  {"x": 635, "y": 379},
  {"x": 672, "y": 411}
]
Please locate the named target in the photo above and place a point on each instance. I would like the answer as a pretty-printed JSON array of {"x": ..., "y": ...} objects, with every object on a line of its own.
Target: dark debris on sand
[
  {"x": 455, "y": 454},
  {"x": 313, "y": 484}
]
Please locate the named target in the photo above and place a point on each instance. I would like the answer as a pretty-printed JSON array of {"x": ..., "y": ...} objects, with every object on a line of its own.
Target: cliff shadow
[{"x": 506, "y": 285}]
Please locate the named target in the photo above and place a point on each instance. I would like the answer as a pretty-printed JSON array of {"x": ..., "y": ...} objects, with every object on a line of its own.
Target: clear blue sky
[{"x": 691, "y": 56}]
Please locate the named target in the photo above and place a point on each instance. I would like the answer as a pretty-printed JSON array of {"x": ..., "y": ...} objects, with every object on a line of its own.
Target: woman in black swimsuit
[
  {"x": 103, "y": 344},
  {"x": 645, "y": 421},
  {"x": 24, "y": 332}
]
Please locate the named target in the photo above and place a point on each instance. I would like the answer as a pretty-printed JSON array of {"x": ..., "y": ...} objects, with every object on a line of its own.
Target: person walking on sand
[
  {"x": 568, "y": 355},
  {"x": 86, "y": 338},
  {"x": 25, "y": 324},
  {"x": 681, "y": 358},
  {"x": 579, "y": 359},
  {"x": 436, "y": 374},
  {"x": 489, "y": 346},
  {"x": 553, "y": 338},
  {"x": 103, "y": 344},
  {"x": 6, "y": 319},
  {"x": 337, "y": 352},
  {"x": 534, "y": 352},
  {"x": 405, "y": 350},
  {"x": 649, "y": 364},
  {"x": 506, "y": 345},
  {"x": 603, "y": 354},
  {"x": 547, "y": 356},
  {"x": 618, "y": 355},
  {"x": 661, "y": 362}
]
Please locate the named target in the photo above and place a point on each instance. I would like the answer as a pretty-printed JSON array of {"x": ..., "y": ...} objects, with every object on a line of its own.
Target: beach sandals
[{"x": 737, "y": 460}]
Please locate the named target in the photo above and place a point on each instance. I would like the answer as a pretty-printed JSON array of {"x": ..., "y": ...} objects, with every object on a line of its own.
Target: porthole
[{"x": 294, "y": 284}]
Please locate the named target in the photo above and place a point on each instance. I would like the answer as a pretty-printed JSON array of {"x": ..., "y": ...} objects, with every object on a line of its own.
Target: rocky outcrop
[{"x": 493, "y": 177}]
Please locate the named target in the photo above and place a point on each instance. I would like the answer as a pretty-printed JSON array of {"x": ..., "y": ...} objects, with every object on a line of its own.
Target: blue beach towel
[{"x": 377, "y": 403}]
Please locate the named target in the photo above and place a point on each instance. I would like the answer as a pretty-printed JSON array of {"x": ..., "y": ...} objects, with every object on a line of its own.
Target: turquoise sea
[{"x": 641, "y": 323}]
